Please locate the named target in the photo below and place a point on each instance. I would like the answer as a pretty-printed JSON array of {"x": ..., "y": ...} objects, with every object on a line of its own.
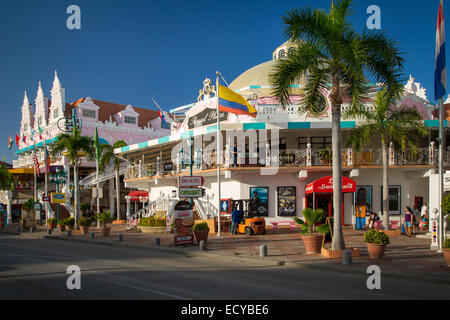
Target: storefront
[{"x": 319, "y": 194}]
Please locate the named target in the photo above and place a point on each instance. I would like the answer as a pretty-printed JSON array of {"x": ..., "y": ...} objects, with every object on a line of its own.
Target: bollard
[
  {"x": 49, "y": 231},
  {"x": 263, "y": 250},
  {"x": 347, "y": 257},
  {"x": 69, "y": 233},
  {"x": 92, "y": 235},
  {"x": 120, "y": 237},
  {"x": 202, "y": 245},
  {"x": 157, "y": 241}
]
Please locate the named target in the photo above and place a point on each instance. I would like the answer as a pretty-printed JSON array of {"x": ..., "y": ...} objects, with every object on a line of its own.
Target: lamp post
[{"x": 59, "y": 177}]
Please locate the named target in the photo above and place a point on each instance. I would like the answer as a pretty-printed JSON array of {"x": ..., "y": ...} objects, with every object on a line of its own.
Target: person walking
[
  {"x": 424, "y": 216},
  {"x": 408, "y": 221},
  {"x": 416, "y": 219}
]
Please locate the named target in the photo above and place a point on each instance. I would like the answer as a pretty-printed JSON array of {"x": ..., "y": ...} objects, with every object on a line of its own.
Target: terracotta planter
[
  {"x": 376, "y": 251},
  {"x": 52, "y": 226},
  {"x": 313, "y": 244},
  {"x": 61, "y": 228},
  {"x": 447, "y": 256},
  {"x": 201, "y": 235},
  {"x": 104, "y": 231},
  {"x": 84, "y": 229}
]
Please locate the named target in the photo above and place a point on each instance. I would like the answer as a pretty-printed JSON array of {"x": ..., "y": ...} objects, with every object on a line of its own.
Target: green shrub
[
  {"x": 447, "y": 244},
  {"x": 201, "y": 226},
  {"x": 52, "y": 220},
  {"x": 311, "y": 218},
  {"x": 28, "y": 205},
  {"x": 84, "y": 222},
  {"x": 377, "y": 237},
  {"x": 446, "y": 204},
  {"x": 104, "y": 217},
  {"x": 69, "y": 222},
  {"x": 152, "y": 222}
]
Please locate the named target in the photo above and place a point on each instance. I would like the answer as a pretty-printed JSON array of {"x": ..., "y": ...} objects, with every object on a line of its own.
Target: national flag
[
  {"x": 230, "y": 101},
  {"x": 17, "y": 140},
  {"x": 164, "y": 123},
  {"x": 40, "y": 131},
  {"x": 10, "y": 142},
  {"x": 32, "y": 133},
  {"x": 97, "y": 146},
  {"x": 36, "y": 163},
  {"x": 47, "y": 159},
  {"x": 440, "y": 72},
  {"x": 24, "y": 139}
]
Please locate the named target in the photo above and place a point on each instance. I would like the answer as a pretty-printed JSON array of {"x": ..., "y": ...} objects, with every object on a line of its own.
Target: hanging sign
[
  {"x": 191, "y": 192},
  {"x": 58, "y": 197},
  {"x": 189, "y": 182}
]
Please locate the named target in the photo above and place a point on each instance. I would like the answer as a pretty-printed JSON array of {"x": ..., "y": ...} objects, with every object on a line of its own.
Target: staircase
[
  {"x": 107, "y": 174},
  {"x": 149, "y": 210}
]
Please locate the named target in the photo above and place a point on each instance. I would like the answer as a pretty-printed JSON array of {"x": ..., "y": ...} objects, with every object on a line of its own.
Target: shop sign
[
  {"x": 191, "y": 192},
  {"x": 58, "y": 197},
  {"x": 183, "y": 223},
  {"x": 189, "y": 182},
  {"x": 206, "y": 117},
  {"x": 46, "y": 198}
]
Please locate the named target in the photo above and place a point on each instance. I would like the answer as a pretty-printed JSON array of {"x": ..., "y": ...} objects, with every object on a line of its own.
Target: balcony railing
[{"x": 292, "y": 158}]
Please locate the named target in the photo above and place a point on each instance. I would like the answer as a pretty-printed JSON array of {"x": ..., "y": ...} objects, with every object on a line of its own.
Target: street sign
[
  {"x": 191, "y": 192},
  {"x": 189, "y": 182},
  {"x": 46, "y": 198}
]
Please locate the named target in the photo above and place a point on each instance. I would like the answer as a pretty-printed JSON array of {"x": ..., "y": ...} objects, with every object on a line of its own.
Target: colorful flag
[
  {"x": 97, "y": 146},
  {"x": 17, "y": 140},
  {"x": 47, "y": 159},
  {"x": 40, "y": 131},
  {"x": 32, "y": 133},
  {"x": 440, "y": 72},
  {"x": 24, "y": 139},
  {"x": 10, "y": 142},
  {"x": 36, "y": 163},
  {"x": 230, "y": 101}
]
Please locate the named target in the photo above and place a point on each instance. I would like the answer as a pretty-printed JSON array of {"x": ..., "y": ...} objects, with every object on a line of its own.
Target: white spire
[
  {"x": 26, "y": 102},
  {"x": 40, "y": 93},
  {"x": 56, "y": 82}
]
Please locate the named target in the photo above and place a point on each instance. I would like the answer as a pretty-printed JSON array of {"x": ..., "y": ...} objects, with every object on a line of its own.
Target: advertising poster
[
  {"x": 287, "y": 201},
  {"x": 259, "y": 201},
  {"x": 363, "y": 198},
  {"x": 183, "y": 222}
]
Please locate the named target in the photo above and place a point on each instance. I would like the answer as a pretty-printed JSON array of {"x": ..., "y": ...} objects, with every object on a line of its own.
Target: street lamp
[{"x": 59, "y": 177}]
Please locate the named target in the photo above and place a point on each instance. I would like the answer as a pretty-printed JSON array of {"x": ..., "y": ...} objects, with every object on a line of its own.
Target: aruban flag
[
  {"x": 10, "y": 142},
  {"x": 230, "y": 101},
  {"x": 440, "y": 71},
  {"x": 17, "y": 140},
  {"x": 36, "y": 163}
]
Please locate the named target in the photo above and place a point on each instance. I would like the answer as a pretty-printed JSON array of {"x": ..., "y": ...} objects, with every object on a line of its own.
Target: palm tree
[
  {"x": 74, "y": 146},
  {"x": 329, "y": 50},
  {"x": 108, "y": 156},
  {"x": 400, "y": 125}
]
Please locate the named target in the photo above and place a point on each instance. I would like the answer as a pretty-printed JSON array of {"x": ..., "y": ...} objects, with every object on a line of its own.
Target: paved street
[{"x": 35, "y": 268}]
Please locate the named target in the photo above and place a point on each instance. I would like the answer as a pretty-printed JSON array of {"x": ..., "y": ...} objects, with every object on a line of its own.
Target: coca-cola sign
[{"x": 325, "y": 185}]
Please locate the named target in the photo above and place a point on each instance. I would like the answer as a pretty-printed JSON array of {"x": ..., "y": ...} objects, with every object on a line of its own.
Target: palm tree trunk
[
  {"x": 76, "y": 193},
  {"x": 118, "y": 193},
  {"x": 336, "y": 101},
  {"x": 385, "y": 186}
]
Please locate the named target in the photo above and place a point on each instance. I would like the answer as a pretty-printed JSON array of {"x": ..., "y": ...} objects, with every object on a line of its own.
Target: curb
[{"x": 316, "y": 265}]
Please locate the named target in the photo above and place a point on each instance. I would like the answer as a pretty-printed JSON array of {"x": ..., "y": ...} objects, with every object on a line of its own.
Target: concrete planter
[
  {"x": 84, "y": 229},
  {"x": 447, "y": 256},
  {"x": 152, "y": 229},
  {"x": 376, "y": 251},
  {"x": 201, "y": 235},
  {"x": 313, "y": 243}
]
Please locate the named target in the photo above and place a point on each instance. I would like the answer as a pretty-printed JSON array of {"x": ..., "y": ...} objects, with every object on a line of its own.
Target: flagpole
[
  {"x": 218, "y": 152},
  {"x": 441, "y": 169}
]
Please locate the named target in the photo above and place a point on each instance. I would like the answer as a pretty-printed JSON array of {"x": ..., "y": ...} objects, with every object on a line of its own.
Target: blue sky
[{"x": 130, "y": 51}]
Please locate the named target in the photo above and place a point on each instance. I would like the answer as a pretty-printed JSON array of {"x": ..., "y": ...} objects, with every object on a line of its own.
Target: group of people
[{"x": 412, "y": 220}]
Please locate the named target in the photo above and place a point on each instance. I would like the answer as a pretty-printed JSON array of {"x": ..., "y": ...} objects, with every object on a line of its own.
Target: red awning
[
  {"x": 136, "y": 194},
  {"x": 325, "y": 185}
]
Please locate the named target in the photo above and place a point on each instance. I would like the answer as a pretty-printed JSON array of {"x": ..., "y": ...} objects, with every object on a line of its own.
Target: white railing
[{"x": 108, "y": 174}]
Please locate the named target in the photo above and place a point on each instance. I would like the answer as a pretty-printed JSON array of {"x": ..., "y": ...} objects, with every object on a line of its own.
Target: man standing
[
  {"x": 235, "y": 154},
  {"x": 235, "y": 218}
]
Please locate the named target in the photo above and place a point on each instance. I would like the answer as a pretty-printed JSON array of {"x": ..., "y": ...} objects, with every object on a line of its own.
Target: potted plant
[
  {"x": 69, "y": 223},
  {"x": 446, "y": 250},
  {"x": 376, "y": 243},
  {"x": 51, "y": 223},
  {"x": 61, "y": 225},
  {"x": 84, "y": 225},
  {"x": 201, "y": 231},
  {"x": 103, "y": 219},
  {"x": 312, "y": 240}
]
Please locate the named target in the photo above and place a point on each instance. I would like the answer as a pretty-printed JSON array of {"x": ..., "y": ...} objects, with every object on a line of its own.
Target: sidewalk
[{"x": 404, "y": 257}]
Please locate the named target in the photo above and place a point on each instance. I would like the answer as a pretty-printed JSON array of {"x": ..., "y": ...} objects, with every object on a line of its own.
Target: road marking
[{"x": 152, "y": 291}]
